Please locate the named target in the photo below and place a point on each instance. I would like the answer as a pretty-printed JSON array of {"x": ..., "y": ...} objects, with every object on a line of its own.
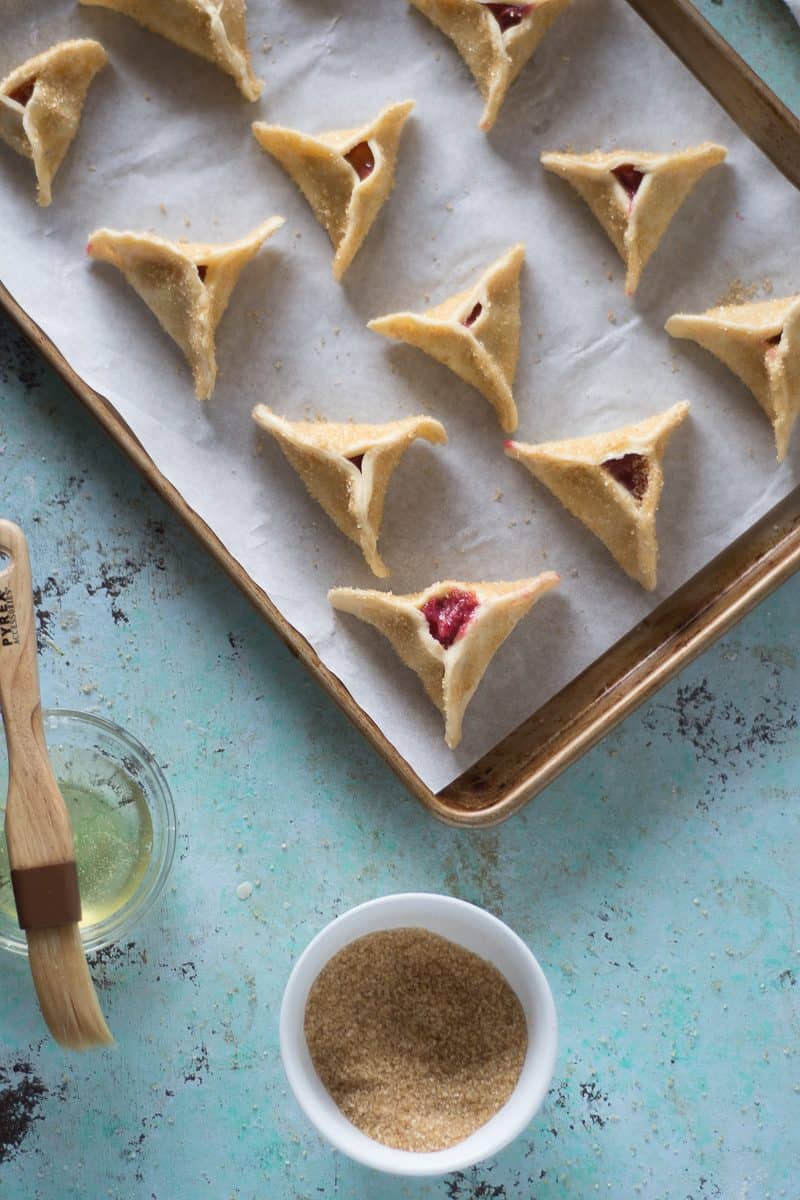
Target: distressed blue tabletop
[{"x": 656, "y": 880}]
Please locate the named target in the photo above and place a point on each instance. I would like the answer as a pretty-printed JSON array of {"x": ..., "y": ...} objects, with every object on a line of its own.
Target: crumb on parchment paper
[{"x": 739, "y": 292}]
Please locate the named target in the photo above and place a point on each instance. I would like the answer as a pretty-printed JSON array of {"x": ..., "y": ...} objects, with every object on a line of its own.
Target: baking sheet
[{"x": 165, "y": 144}]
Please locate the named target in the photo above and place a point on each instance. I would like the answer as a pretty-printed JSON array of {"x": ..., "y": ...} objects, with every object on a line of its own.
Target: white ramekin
[{"x": 477, "y": 931}]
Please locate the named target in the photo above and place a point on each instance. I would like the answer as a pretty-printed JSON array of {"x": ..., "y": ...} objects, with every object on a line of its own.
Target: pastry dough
[
  {"x": 448, "y": 634},
  {"x": 761, "y": 343},
  {"x": 495, "y": 40},
  {"x": 635, "y": 194},
  {"x": 475, "y": 334},
  {"x": 41, "y": 103},
  {"x": 187, "y": 285},
  {"x": 612, "y": 482},
  {"x": 212, "y": 29},
  {"x": 346, "y": 175},
  {"x": 347, "y": 468}
]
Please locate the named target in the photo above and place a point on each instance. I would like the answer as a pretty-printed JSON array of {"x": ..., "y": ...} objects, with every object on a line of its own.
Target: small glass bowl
[{"x": 89, "y": 750}]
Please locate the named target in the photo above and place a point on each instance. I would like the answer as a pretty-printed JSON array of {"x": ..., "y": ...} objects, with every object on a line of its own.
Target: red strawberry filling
[
  {"x": 630, "y": 178},
  {"x": 449, "y": 615},
  {"x": 356, "y": 460},
  {"x": 201, "y": 271},
  {"x": 23, "y": 93},
  {"x": 632, "y": 471},
  {"x": 472, "y": 316},
  {"x": 774, "y": 341},
  {"x": 508, "y": 15},
  {"x": 361, "y": 159}
]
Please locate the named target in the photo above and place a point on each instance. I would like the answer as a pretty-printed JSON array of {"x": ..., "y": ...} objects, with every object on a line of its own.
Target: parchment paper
[{"x": 163, "y": 128}]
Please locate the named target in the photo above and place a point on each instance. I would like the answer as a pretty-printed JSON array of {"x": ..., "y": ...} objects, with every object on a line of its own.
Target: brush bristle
[{"x": 64, "y": 986}]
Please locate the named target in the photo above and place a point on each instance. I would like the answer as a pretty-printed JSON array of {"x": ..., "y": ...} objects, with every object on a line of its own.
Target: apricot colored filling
[
  {"x": 361, "y": 159},
  {"x": 23, "y": 93},
  {"x": 473, "y": 315},
  {"x": 509, "y": 15},
  {"x": 630, "y": 178},
  {"x": 632, "y": 471},
  {"x": 449, "y": 615}
]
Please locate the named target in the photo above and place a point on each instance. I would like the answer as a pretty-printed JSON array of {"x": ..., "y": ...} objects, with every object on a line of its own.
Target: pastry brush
[{"x": 38, "y": 830}]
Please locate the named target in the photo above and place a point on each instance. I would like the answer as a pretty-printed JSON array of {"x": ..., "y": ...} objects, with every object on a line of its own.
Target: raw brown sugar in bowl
[{"x": 418, "y": 1041}]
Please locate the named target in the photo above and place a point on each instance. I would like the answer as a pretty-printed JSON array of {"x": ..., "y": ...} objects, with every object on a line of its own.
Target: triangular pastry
[
  {"x": 475, "y": 334},
  {"x": 187, "y": 285},
  {"x": 347, "y": 468},
  {"x": 495, "y": 40},
  {"x": 448, "y": 634},
  {"x": 635, "y": 194},
  {"x": 760, "y": 342},
  {"x": 346, "y": 175},
  {"x": 41, "y": 103},
  {"x": 212, "y": 29},
  {"x": 612, "y": 482}
]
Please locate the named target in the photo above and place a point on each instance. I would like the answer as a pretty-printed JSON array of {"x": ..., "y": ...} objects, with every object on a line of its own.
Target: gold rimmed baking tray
[{"x": 679, "y": 629}]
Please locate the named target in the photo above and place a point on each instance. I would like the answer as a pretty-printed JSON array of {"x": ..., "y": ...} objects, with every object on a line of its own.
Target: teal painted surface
[
  {"x": 765, "y": 33},
  {"x": 656, "y": 880}
]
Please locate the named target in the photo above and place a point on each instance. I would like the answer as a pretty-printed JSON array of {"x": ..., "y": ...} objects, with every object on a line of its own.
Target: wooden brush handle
[{"x": 38, "y": 830}]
